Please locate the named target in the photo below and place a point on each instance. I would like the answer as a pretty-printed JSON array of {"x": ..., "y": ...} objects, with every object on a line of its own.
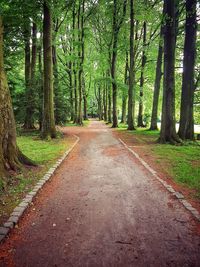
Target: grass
[
  {"x": 44, "y": 153},
  {"x": 183, "y": 162},
  {"x": 70, "y": 123}
]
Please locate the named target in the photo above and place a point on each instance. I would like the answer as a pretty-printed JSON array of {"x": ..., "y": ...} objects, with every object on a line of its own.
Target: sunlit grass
[{"x": 44, "y": 153}]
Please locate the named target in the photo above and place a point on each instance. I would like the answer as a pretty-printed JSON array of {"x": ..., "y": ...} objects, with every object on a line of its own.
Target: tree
[
  {"x": 11, "y": 157},
  {"x": 131, "y": 91},
  {"x": 186, "y": 129},
  {"x": 124, "y": 95},
  {"x": 154, "y": 114},
  {"x": 30, "y": 66},
  {"x": 48, "y": 123},
  {"x": 117, "y": 23},
  {"x": 144, "y": 60},
  {"x": 168, "y": 130}
]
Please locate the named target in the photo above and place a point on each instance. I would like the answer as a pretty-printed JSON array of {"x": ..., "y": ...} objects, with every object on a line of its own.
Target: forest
[
  {"x": 99, "y": 133},
  {"x": 125, "y": 62}
]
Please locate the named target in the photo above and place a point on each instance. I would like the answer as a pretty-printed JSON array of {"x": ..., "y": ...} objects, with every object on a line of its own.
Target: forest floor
[{"x": 103, "y": 208}]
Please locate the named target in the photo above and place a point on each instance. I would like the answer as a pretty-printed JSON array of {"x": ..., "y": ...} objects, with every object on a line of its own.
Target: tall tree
[
  {"x": 144, "y": 60},
  {"x": 30, "y": 68},
  {"x": 131, "y": 91},
  {"x": 124, "y": 95},
  {"x": 168, "y": 130},
  {"x": 186, "y": 129},
  {"x": 10, "y": 156},
  {"x": 117, "y": 23},
  {"x": 154, "y": 114},
  {"x": 48, "y": 123}
]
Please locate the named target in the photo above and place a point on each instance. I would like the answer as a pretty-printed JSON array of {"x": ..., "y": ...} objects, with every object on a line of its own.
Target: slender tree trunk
[
  {"x": 105, "y": 112},
  {"x": 81, "y": 55},
  {"x": 48, "y": 123},
  {"x": 41, "y": 83},
  {"x": 74, "y": 67},
  {"x": 158, "y": 77},
  {"x": 186, "y": 129},
  {"x": 124, "y": 96},
  {"x": 28, "y": 120},
  {"x": 71, "y": 91},
  {"x": 117, "y": 23},
  {"x": 57, "y": 93},
  {"x": 10, "y": 156},
  {"x": 144, "y": 59},
  {"x": 85, "y": 115},
  {"x": 168, "y": 130},
  {"x": 131, "y": 91},
  {"x": 30, "y": 66}
]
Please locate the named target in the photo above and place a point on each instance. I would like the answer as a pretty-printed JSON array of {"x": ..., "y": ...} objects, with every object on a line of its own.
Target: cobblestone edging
[
  {"x": 20, "y": 209},
  {"x": 178, "y": 195}
]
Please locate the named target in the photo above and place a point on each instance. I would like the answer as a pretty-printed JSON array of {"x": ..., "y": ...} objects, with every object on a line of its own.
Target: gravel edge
[
  {"x": 26, "y": 202},
  {"x": 169, "y": 188}
]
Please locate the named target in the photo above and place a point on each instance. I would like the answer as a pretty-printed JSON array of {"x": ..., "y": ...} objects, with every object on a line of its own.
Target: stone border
[
  {"x": 169, "y": 188},
  {"x": 26, "y": 202}
]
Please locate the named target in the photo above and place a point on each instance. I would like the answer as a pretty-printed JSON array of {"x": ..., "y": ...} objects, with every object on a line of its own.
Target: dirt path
[{"x": 103, "y": 209}]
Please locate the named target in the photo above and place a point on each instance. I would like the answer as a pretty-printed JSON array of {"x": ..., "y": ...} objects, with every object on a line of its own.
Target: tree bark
[
  {"x": 30, "y": 64},
  {"x": 168, "y": 130},
  {"x": 81, "y": 55},
  {"x": 10, "y": 156},
  {"x": 131, "y": 91},
  {"x": 186, "y": 129},
  {"x": 116, "y": 28},
  {"x": 154, "y": 115},
  {"x": 85, "y": 114},
  {"x": 124, "y": 96},
  {"x": 48, "y": 123},
  {"x": 144, "y": 60}
]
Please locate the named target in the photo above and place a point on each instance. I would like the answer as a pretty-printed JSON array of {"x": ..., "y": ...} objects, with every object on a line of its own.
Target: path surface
[{"x": 104, "y": 209}]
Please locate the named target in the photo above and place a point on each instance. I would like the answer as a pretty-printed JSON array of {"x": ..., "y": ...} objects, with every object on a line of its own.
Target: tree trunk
[
  {"x": 144, "y": 59},
  {"x": 30, "y": 65},
  {"x": 85, "y": 115},
  {"x": 186, "y": 129},
  {"x": 117, "y": 23},
  {"x": 168, "y": 130},
  {"x": 41, "y": 83},
  {"x": 105, "y": 104},
  {"x": 81, "y": 55},
  {"x": 131, "y": 90},
  {"x": 124, "y": 96},
  {"x": 10, "y": 156},
  {"x": 158, "y": 77},
  {"x": 48, "y": 123}
]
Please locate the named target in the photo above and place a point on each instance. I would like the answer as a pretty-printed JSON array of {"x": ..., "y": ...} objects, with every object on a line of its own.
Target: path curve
[{"x": 103, "y": 209}]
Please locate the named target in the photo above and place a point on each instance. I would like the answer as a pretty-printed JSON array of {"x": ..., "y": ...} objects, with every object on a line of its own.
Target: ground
[{"x": 103, "y": 208}]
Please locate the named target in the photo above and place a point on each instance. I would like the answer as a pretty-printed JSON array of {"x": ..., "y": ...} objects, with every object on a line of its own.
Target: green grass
[
  {"x": 70, "y": 123},
  {"x": 183, "y": 162},
  {"x": 45, "y": 154},
  {"x": 40, "y": 151}
]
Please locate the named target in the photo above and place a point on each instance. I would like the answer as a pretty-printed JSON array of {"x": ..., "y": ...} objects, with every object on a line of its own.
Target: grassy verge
[
  {"x": 44, "y": 153},
  {"x": 182, "y": 162},
  {"x": 70, "y": 123}
]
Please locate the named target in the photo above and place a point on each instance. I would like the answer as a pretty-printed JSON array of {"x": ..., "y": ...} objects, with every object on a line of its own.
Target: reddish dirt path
[{"x": 103, "y": 209}]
